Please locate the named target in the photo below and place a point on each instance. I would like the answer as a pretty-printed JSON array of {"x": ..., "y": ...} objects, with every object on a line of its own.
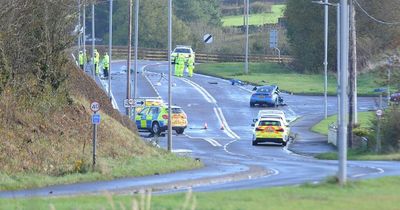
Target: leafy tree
[{"x": 305, "y": 31}]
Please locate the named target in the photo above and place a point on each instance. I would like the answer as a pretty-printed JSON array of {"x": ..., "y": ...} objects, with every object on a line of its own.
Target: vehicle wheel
[
  {"x": 252, "y": 104},
  {"x": 180, "y": 130},
  {"x": 284, "y": 143},
  {"x": 155, "y": 128},
  {"x": 276, "y": 103},
  {"x": 254, "y": 143}
]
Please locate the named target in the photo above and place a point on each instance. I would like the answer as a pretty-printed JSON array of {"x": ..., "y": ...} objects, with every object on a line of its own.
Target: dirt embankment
[{"x": 57, "y": 141}]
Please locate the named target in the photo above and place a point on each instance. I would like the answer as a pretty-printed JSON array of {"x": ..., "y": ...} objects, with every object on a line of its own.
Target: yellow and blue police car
[
  {"x": 270, "y": 130},
  {"x": 155, "y": 119}
]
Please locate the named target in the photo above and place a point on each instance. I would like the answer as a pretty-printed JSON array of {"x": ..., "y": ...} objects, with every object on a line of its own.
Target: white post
[
  {"x": 169, "y": 75},
  {"x": 326, "y": 6},
  {"x": 136, "y": 54},
  {"x": 344, "y": 65},
  {"x": 246, "y": 64},
  {"x": 93, "y": 37},
  {"x": 110, "y": 48}
]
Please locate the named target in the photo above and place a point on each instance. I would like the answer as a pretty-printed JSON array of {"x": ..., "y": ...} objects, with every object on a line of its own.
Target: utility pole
[
  {"x": 338, "y": 66},
  {"x": 326, "y": 6},
  {"x": 110, "y": 48},
  {"x": 93, "y": 35},
  {"x": 246, "y": 64},
  {"x": 352, "y": 75},
  {"x": 84, "y": 35},
  {"x": 136, "y": 54},
  {"x": 79, "y": 26},
  {"x": 169, "y": 75},
  {"x": 128, "y": 66},
  {"x": 344, "y": 64}
]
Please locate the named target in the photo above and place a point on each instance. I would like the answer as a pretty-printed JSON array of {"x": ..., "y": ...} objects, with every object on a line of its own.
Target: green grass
[
  {"x": 107, "y": 169},
  {"x": 286, "y": 79},
  {"x": 353, "y": 154},
  {"x": 381, "y": 193},
  {"x": 364, "y": 119},
  {"x": 257, "y": 19}
]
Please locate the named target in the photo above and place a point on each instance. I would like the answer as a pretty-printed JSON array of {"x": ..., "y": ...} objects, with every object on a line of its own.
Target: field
[
  {"x": 286, "y": 79},
  {"x": 257, "y": 19},
  {"x": 363, "y": 117},
  {"x": 381, "y": 193}
]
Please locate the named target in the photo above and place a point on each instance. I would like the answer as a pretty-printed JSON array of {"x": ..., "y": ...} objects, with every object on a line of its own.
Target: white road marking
[
  {"x": 232, "y": 153},
  {"x": 182, "y": 151},
  {"x": 200, "y": 89},
  {"x": 113, "y": 101},
  {"x": 225, "y": 123},
  {"x": 213, "y": 142},
  {"x": 221, "y": 122},
  {"x": 147, "y": 78}
]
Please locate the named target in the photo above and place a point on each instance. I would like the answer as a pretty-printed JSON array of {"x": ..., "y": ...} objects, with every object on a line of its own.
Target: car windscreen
[
  {"x": 265, "y": 90},
  {"x": 176, "y": 110},
  {"x": 269, "y": 123},
  {"x": 182, "y": 50}
]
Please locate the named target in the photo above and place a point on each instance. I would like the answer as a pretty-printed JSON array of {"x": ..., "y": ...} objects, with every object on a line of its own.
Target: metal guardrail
[{"x": 201, "y": 57}]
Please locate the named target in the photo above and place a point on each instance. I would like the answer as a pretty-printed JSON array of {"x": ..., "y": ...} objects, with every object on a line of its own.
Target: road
[{"x": 231, "y": 162}]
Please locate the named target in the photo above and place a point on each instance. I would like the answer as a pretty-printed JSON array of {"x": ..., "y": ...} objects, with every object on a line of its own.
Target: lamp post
[
  {"x": 169, "y": 75},
  {"x": 93, "y": 35},
  {"x": 326, "y": 14},
  {"x": 110, "y": 48},
  {"x": 246, "y": 63},
  {"x": 136, "y": 54},
  {"x": 343, "y": 64}
]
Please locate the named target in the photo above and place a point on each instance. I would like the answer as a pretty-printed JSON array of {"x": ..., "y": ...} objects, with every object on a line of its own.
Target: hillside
[{"x": 52, "y": 139}]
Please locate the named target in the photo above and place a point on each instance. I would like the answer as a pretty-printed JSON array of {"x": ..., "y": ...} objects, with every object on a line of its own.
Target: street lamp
[
  {"x": 110, "y": 48},
  {"x": 326, "y": 4},
  {"x": 169, "y": 75},
  {"x": 342, "y": 62}
]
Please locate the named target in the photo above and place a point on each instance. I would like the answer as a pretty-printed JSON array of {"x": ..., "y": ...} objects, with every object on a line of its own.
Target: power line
[{"x": 373, "y": 18}]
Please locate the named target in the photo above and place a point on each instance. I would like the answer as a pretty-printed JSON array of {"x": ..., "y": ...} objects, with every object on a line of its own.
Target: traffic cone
[
  {"x": 222, "y": 127},
  {"x": 205, "y": 126}
]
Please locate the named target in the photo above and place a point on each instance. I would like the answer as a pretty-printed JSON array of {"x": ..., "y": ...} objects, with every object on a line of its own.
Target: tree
[{"x": 305, "y": 25}]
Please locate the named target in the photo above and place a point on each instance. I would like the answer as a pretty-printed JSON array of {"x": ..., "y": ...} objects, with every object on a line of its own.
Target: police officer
[
  {"x": 190, "y": 65},
  {"x": 106, "y": 65},
  {"x": 96, "y": 61},
  {"x": 81, "y": 59},
  {"x": 181, "y": 65},
  {"x": 176, "y": 72}
]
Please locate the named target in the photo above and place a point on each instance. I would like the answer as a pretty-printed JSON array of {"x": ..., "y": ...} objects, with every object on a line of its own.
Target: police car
[
  {"x": 270, "y": 130},
  {"x": 155, "y": 119},
  {"x": 184, "y": 50}
]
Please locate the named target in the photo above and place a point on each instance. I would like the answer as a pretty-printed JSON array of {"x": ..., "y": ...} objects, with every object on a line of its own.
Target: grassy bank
[
  {"x": 272, "y": 17},
  {"x": 360, "y": 155},
  {"x": 365, "y": 194},
  {"x": 286, "y": 79},
  {"x": 364, "y": 119},
  {"x": 50, "y": 142}
]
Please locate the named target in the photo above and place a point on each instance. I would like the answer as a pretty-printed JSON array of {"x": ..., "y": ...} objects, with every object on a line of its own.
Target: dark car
[
  {"x": 395, "y": 97},
  {"x": 266, "y": 95}
]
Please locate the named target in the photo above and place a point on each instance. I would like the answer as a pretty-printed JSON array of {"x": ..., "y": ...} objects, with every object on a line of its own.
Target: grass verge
[
  {"x": 364, "y": 194},
  {"x": 277, "y": 11},
  {"x": 353, "y": 154},
  {"x": 364, "y": 119},
  {"x": 107, "y": 169},
  {"x": 286, "y": 79}
]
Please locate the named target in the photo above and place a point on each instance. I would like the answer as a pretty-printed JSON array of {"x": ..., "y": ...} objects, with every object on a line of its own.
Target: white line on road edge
[
  {"x": 213, "y": 142},
  {"x": 147, "y": 78},
  {"x": 232, "y": 153},
  {"x": 206, "y": 94},
  {"x": 226, "y": 127},
  {"x": 105, "y": 85},
  {"x": 182, "y": 151},
  {"x": 221, "y": 122}
]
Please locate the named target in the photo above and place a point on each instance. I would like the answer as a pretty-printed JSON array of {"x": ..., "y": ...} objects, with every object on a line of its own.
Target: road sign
[
  {"x": 139, "y": 102},
  {"x": 208, "y": 38},
  {"x": 273, "y": 38},
  {"x": 379, "y": 112},
  {"x": 96, "y": 119},
  {"x": 94, "y": 106},
  {"x": 131, "y": 101}
]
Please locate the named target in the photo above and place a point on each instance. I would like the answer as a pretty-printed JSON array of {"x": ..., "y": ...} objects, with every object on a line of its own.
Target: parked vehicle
[
  {"x": 266, "y": 95},
  {"x": 155, "y": 119},
  {"x": 270, "y": 130}
]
